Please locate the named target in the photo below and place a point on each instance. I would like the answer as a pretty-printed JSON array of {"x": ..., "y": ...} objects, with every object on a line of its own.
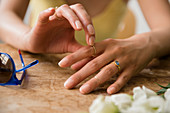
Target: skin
[
  {"x": 53, "y": 32},
  {"x": 59, "y": 25},
  {"x": 133, "y": 53}
]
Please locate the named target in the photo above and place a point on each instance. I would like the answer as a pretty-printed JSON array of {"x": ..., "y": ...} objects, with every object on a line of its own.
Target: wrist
[
  {"x": 25, "y": 40},
  {"x": 154, "y": 44},
  {"x": 147, "y": 42}
]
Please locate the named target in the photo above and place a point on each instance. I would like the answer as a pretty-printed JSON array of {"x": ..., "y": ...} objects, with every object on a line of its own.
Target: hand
[
  {"x": 133, "y": 54},
  {"x": 54, "y": 30}
]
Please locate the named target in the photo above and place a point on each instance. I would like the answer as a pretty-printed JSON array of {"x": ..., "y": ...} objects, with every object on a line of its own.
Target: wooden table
[{"x": 43, "y": 91}]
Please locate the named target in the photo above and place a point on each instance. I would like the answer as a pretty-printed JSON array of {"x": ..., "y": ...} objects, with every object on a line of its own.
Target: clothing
[{"x": 105, "y": 23}]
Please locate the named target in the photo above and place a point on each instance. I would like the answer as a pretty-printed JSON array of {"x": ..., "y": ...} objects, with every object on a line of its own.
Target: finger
[
  {"x": 87, "y": 70},
  {"x": 120, "y": 82},
  {"x": 86, "y": 21},
  {"x": 80, "y": 64},
  {"x": 66, "y": 12},
  {"x": 74, "y": 46},
  {"x": 107, "y": 72},
  {"x": 44, "y": 16},
  {"x": 81, "y": 54},
  {"x": 76, "y": 56}
]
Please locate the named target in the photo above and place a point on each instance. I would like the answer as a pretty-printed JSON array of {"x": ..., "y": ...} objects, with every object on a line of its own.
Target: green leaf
[
  {"x": 162, "y": 91},
  {"x": 165, "y": 87}
]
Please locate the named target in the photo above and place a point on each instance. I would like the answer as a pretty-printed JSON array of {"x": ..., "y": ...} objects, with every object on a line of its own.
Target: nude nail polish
[
  {"x": 111, "y": 90},
  {"x": 91, "y": 40},
  {"x": 69, "y": 83},
  {"x": 50, "y": 9},
  {"x": 85, "y": 89},
  {"x": 78, "y": 24},
  {"x": 63, "y": 62},
  {"x": 90, "y": 29}
]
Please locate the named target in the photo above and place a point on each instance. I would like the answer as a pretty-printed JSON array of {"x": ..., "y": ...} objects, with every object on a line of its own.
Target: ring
[
  {"x": 94, "y": 48},
  {"x": 117, "y": 65}
]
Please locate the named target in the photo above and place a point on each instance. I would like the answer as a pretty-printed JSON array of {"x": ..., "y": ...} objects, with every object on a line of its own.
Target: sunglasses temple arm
[
  {"x": 28, "y": 66},
  {"x": 22, "y": 61}
]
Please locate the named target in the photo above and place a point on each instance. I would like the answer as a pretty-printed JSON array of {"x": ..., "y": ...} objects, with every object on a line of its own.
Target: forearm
[
  {"x": 12, "y": 29},
  {"x": 161, "y": 40},
  {"x": 157, "y": 14}
]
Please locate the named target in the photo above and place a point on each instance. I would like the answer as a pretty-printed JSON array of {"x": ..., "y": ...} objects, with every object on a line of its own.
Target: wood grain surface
[{"x": 43, "y": 92}]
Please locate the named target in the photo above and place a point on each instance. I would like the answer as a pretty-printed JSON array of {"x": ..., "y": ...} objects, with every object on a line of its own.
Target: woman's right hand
[{"x": 54, "y": 30}]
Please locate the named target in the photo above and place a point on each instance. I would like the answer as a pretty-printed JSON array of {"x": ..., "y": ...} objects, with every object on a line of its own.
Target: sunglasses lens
[{"x": 6, "y": 68}]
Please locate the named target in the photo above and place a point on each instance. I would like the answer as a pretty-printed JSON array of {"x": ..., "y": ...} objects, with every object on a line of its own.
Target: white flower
[
  {"x": 146, "y": 100},
  {"x": 99, "y": 105},
  {"x": 148, "y": 92},
  {"x": 156, "y": 103},
  {"x": 123, "y": 101},
  {"x": 167, "y": 94},
  {"x": 137, "y": 109},
  {"x": 138, "y": 93},
  {"x": 167, "y": 102},
  {"x": 143, "y": 93}
]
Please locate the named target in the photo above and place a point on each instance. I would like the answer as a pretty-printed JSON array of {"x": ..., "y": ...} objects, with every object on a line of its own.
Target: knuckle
[
  {"x": 117, "y": 86},
  {"x": 64, "y": 6},
  {"x": 108, "y": 71},
  {"x": 94, "y": 65},
  {"x": 88, "y": 51},
  {"x": 78, "y": 5},
  {"x": 119, "y": 50},
  {"x": 125, "y": 78}
]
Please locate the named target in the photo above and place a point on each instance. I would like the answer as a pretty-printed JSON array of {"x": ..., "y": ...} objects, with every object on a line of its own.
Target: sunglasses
[{"x": 8, "y": 70}]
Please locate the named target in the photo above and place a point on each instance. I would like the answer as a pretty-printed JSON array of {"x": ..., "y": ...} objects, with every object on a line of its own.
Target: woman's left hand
[{"x": 133, "y": 54}]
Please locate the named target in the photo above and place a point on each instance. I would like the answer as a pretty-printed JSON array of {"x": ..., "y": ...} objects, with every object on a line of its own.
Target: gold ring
[
  {"x": 117, "y": 65},
  {"x": 94, "y": 48}
]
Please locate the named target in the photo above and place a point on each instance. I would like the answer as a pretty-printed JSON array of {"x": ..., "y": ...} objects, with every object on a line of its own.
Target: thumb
[{"x": 44, "y": 16}]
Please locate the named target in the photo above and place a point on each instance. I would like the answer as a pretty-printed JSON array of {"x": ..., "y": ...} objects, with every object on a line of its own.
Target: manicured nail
[
  {"x": 90, "y": 29},
  {"x": 69, "y": 83},
  {"x": 63, "y": 62},
  {"x": 85, "y": 89},
  {"x": 91, "y": 40},
  {"x": 78, "y": 24},
  {"x": 50, "y": 9},
  {"x": 111, "y": 90}
]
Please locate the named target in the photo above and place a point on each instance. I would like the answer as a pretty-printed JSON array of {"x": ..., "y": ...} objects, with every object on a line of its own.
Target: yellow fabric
[{"x": 105, "y": 23}]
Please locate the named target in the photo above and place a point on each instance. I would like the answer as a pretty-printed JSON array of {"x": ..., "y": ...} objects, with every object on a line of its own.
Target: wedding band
[
  {"x": 94, "y": 48},
  {"x": 117, "y": 65}
]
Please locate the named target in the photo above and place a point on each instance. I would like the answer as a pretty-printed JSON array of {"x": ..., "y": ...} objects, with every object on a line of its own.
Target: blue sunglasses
[{"x": 8, "y": 70}]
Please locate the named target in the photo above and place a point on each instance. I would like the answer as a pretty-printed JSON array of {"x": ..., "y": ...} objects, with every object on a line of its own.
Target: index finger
[
  {"x": 86, "y": 21},
  {"x": 66, "y": 12}
]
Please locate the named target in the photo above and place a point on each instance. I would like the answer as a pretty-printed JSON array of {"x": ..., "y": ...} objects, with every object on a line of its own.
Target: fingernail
[
  {"x": 111, "y": 90},
  {"x": 50, "y": 9},
  {"x": 63, "y": 62},
  {"x": 90, "y": 29},
  {"x": 78, "y": 24},
  {"x": 85, "y": 89},
  {"x": 69, "y": 83},
  {"x": 91, "y": 40}
]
